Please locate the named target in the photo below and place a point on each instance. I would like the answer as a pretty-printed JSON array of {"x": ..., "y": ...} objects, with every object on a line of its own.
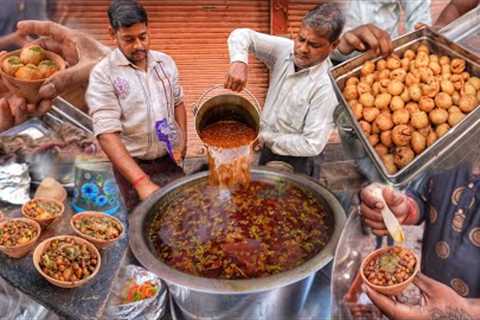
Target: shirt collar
[
  {"x": 120, "y": 60},
  {"x": 310, "y": 71}
]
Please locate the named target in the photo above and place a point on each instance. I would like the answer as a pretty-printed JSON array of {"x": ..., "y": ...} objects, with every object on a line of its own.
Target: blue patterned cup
[{"x": 95, "y": 187}]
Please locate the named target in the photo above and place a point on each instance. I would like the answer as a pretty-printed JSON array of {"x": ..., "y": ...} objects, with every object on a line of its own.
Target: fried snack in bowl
[
  {"x": 43, "y": 210},
  {"x": 24, "y": 70},
  {"x": 390, "y": 270}
]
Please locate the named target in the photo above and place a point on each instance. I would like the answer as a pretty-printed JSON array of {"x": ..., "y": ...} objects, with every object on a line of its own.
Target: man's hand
[
  {"x": 80, "y": 51},
  {"x": 237, "y": 76},
  {"x": 15, "y": 110},
  {"x": 441, "y": 302},
  {"x": 371, "y": 209},
  {"x": 145, "y": 188},
  {"x": 366, "y": 37}
]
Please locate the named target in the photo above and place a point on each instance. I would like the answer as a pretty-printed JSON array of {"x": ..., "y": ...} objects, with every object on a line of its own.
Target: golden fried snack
[
  {"x": 468, "y": 90},
  {"x": 403, "y": 156},
  {"x": 432, "y": 137},
  {"x": 384, "y": 121},
  {"x": 425, "y": 131},
  {"x": 353, "y": 81},
  {"x": 457, "y": 81},
  {"x": 457, "y": 65},
  {"x": 443, "y": 100},
  {"x": 386, "y": 138},
  {"x": 418, "y": 142},
  {"x": 423, "y": 48},
  {"x": 366, "y": 127},
  {"x": 396, "y": 103},
  {"x": 28, "y": 72},
  {"x": 384, "y": 85},
  {"x": 401, "y": 116},
  {"x": 384, "y": 74},
  {"x": 405, "y": 95},
  {"x": 389, "y": 162},
  {"x": 47, "y": 68},
  {"x": 435, "y": 67},
  {"x": 369, "y": 78},
  {"x": 382, "y": 101},
  {"x": 363, "y": 87},
  {"x": 438, "y": 116},
  {"x": 350, "y": 92},
  {"x": 367, "y": 68},
  {"x": 398, "y": 74},
  {"x": 11, "y": 65},
  {"x": 467, "y": 103},
  {"x": 419, "y": 120},
  {"x": 415, "y": 92},
  {"x": 375, "y": 129},
  {"x": 401, "y": 135},
  {"x": 425, "y": 73},
  {"x": 444, "y": 60},
  {"x": 393, "y": 62},
  {"x": 395, "y": 87},
  {"x": 447, "y": 87},
  {"x": 373, "y": 139},
  {"x": 445, "y": 76},
  {"x": 454, "y": 109},
  {"x": 32, "y": 54},
  {"x": 474, "y": 81},
  {"x": 381, "y": 149},
  {"x": 446, "y": 69},
  {"x": 422, "y": 59},
  {"x": 442, "y": 129},
  {"x": 357, "y": 109},
  {"x": 454, "y": 118},
  {"x": 409, "y": 54},
  {"x": 411, "y": 79},
  {"x": 381, "y": 65},
  {"x": 465, "y": 75},
  {"x": 426, "y": 104},
  {"x": 367, "y": 99},
  {"x": 412, "y": 107},
  {"x": 434, "y": 58},
  {"x": 370, "y": 114},
  {"x": 405, "y": 62},
  {"x": 456, "y": 98},
  {"x": 431, "y": 87}
]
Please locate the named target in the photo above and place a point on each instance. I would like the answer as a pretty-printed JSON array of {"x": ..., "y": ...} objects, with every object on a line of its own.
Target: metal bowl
[{"x": 205, "y": 298}]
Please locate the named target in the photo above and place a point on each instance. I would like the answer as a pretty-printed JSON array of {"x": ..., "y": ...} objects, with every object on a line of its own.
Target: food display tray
[{"x": 355, "y": 140}]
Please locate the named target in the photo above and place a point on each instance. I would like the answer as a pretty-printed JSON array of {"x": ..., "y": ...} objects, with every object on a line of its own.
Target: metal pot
[
  {"x": 219, "y": 104},
  {"x": 280, "y": 296}
]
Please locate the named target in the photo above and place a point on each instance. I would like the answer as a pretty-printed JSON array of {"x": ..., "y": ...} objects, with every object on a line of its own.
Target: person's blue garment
[{"x": 450, "y": 206}]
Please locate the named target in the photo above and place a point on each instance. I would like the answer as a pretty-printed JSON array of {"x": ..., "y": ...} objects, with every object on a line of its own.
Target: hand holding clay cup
[{"x": 25, "y": 70}]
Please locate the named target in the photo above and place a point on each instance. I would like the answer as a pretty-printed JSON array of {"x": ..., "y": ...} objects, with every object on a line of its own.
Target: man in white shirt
[
  {"x": 136, "y": 102},
  {"x": 298, "y": 113}
]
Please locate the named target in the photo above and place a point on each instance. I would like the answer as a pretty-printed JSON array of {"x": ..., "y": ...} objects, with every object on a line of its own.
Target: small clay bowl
[
  {"x": 46, "y": 221},
  {"x": 21, "y": 250},
  {"x": 99, "y": 243},
  {"x": 28, "y": 88},
  {"x": 392, "y": 290},
  {"x": 43, "y": 246}
]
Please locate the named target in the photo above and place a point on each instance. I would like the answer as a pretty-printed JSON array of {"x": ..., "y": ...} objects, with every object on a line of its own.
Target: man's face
[
  {"x": 310, "y": 48},
  {"x": 133, "y": 41}
]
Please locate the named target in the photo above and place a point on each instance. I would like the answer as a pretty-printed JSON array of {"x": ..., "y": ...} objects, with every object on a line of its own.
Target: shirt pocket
[{"x": 292, "y": 114}]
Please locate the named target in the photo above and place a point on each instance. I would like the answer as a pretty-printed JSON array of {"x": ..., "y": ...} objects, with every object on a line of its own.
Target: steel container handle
[{"x": 247, "y": 92}]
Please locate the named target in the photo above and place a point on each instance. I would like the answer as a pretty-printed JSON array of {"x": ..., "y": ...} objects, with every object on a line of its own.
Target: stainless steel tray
[
  {"x": 369, "y": 161},
  {"x": 464, "y": 29}
]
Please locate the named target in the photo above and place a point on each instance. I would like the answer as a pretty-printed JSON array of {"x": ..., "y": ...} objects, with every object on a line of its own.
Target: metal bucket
[
  {"x": 280, "y": 296},
  {"x": 220, "y": 104}
]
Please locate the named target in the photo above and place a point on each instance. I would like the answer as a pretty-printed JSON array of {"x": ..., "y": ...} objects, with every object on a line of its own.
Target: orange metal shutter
[
  {"x": 194, "y": 33},
  {"x": 296, "y": 10}
]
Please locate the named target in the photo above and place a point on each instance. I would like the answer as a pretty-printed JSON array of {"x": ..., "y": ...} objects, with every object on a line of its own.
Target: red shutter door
[{"x": 194, "y": 33}]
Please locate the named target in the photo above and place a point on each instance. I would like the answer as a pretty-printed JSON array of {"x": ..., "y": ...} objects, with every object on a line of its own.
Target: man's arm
[
  {"x": 317, "y": 127},
  {"x": 106, "y": 113},
  {"x": 114, "y": 148},
  {"x": 181, "y": 119},
  {"x": 454, "y": 10},
  {"x": 266, "y": 48}
]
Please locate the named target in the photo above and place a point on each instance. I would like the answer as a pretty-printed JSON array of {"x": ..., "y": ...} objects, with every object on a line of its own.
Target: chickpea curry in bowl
[
  {"x": 99, "y": 228},
  {"x": 18, "y": 236},
  {"x": 43, "y": 210}
]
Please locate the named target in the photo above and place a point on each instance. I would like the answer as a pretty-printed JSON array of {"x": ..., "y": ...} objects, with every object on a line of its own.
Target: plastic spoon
[{"x": 391, "y": 222}]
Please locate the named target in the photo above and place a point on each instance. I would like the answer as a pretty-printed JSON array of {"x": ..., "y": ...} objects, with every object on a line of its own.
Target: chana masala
[
  {"x": 42, "y": 209},
  {"x": 68, "y": 260},
  {"x": 392, "y": 267},
  {"x": 250, "y": 232},
  {"x": 102, "y": 228},
  {"x": 14, "y": 233}
]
